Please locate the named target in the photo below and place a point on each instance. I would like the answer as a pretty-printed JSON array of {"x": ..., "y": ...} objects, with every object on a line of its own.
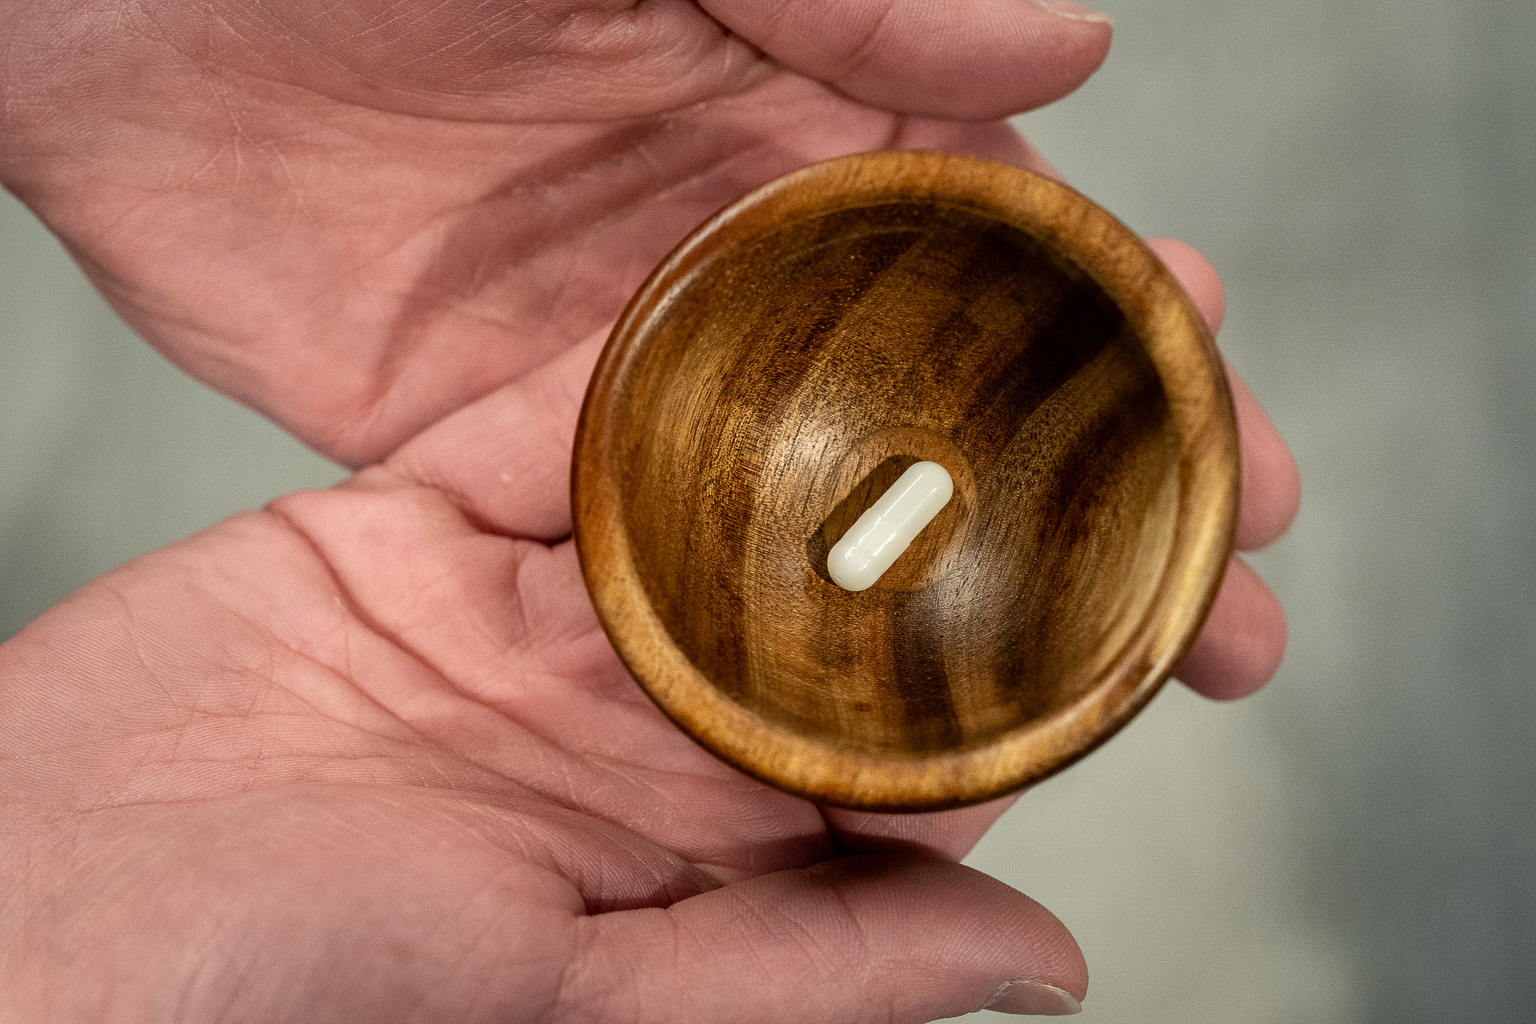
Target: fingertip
[
  {"x": 977, "y": 61},
  {"x": 1243, "y": 641},
  {"x": 1197, "y": 275}
]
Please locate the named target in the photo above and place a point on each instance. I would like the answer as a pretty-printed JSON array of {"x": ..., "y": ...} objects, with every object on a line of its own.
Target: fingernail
[
  {"x": 1075, "y": 11},
  {"x": 1034, "y": 997}
]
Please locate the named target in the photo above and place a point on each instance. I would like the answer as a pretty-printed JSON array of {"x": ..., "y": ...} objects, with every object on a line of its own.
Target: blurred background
[{"x": 1358, "y": 842}]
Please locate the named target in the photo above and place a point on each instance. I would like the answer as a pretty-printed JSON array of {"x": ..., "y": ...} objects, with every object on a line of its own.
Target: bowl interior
[
  {"x": 789, "y": 361},
  {"x": 797, "y": 374}
]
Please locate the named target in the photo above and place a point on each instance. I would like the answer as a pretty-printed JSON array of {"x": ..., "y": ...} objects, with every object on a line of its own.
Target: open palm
[{"x": 366, "y": 755}]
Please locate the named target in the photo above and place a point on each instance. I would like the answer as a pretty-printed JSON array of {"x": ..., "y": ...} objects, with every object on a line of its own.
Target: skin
[{"x": 365, "y": 755}]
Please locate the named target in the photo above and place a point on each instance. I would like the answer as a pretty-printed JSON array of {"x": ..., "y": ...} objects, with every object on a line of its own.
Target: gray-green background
[{"x": 1358, "y": 842}]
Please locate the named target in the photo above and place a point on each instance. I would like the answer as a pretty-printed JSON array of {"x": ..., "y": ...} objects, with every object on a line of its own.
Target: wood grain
[{"x": 788, "y": 361}]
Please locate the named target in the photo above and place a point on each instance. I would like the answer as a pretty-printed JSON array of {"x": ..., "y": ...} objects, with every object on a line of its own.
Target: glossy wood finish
[{"x": 788, "y": 361}]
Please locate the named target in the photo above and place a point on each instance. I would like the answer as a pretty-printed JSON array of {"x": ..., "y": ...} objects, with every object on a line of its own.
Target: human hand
[{"x": 366, "y": 755}]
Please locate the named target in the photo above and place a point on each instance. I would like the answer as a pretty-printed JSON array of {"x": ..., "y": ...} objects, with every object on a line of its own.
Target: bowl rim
[{"x": 1186, "y": 360}]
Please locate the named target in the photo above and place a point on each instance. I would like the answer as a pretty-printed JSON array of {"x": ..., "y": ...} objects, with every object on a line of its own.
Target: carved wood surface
[{"x": 788, "y": 361}]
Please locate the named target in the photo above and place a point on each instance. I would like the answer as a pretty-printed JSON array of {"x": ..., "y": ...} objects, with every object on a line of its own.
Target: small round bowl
[{"x": 788, "y": 361}]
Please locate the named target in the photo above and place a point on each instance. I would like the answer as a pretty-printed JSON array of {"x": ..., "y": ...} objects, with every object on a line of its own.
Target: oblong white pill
[{"x": 888, "y": 526}]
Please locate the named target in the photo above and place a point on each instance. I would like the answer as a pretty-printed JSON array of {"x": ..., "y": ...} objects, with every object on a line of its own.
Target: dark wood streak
[{"x": 789, "y": 361}]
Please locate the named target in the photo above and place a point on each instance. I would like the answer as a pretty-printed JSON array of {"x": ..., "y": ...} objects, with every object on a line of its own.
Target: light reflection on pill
[{"x": 888, "y": 526}]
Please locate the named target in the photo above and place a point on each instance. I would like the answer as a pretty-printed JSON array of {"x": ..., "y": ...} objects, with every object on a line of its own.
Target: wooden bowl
[{"x": 798, "y": 352}]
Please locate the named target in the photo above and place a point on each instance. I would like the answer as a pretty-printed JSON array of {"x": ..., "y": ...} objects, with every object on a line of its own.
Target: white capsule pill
[{"x": 889, "y": 525}]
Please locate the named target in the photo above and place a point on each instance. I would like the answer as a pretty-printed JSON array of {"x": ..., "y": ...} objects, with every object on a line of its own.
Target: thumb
[
  {"x": 977, "y": 60},
  {"x": 856, "y": 939}
]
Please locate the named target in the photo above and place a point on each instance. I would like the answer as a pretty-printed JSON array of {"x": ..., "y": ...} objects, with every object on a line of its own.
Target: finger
[
  {"x": 949, "y": 835},
  {"x": 850, "y": 940},
  {"x": 1271, "y": 483},
  {"x": 505, "y": 460},
  {"x": 1243, "y": 642},
  {"x": 974, "y": 61},
  {"x": 1199, "y": 278}
]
